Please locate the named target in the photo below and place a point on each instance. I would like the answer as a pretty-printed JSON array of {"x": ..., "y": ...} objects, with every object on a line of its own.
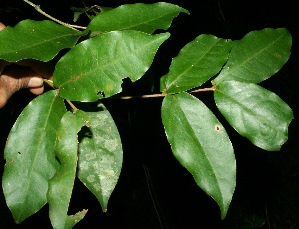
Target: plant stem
[
  {"x": 49, "y": 82},
  {"x": 213, "y": 88},
  {"x": 38, "y": 9},
  {"x": 72, "y": 106},
  {"x": 140, "y": 96}
]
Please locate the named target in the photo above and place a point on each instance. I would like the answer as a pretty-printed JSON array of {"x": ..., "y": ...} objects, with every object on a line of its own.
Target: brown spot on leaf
[
  {"x": 109, "y": 88},
  {"x": 75, "y": 78},
  {"x": 217, "y": 128}
]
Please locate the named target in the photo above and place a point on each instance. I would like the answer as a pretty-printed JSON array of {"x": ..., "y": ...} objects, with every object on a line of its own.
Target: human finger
[
  {"x": 13, "y": 78},
  {"x": 44, "y": 69},
  {"x": 2, "y": 26}
]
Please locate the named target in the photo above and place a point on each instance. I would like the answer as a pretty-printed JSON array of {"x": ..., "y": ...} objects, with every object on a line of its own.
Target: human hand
[{"x": 23, "y": 74}]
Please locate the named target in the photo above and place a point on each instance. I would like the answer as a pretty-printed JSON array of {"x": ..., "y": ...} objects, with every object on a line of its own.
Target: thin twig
[
  {"x": 38, "y": 9},
  {"x": 213, "y": 88},
  {"x": 141, "y": 96},
  {"x": 49, "y": 82},
  {"x": 72, "y": 106}
]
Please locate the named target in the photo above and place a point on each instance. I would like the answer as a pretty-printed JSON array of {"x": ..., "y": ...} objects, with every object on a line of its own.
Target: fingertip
[
  {"x": 2, "y": 26},
  {"x": 36, "y": 85},
  {"x": 37, "y": 90},
  {"x": 35, "y": 82}
]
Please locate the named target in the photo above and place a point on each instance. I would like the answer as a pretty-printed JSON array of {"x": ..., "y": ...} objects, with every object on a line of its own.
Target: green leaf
[
  {"x": 96, "y": 67},
  {"x": 71, "y": 220},
  {"x": 142, "y": 17},
  {"x": 90, "y": 12},
  {"x": 29, "y": 154},
  {"x": 257, "y": 56},
  {"x": 40, "y": 40},
  {"x": 77, "y": 15},
  {"x": 196, "y": 63},
  {"x": 255, "y": 113},
  {"x": 100, "y": 155},
  {"x": 61, "y": 185},
  {"x": 201, "y": 144}
]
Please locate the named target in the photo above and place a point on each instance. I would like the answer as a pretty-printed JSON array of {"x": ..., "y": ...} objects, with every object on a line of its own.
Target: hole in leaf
[{"x": 101, "y": 93}]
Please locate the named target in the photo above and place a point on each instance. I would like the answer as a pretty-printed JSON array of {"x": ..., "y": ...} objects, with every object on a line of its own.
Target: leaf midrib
[
  {"x": 193, "y": 134},
  {"x": 101, "y": 66},
  {"x": 148, "y": 21},
  {"x": 191, "y": 66},
  {"x": 36, "y": 44},
  {"x": 29, "y": 185}
]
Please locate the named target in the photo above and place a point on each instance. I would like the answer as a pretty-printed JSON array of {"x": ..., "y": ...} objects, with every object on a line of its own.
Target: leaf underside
[
  {"x": 256, "y": 113},
  {"x": 61, "y": 185},
  {"x": 29, "y": 155},
  {"x": 100, "y": 155}
]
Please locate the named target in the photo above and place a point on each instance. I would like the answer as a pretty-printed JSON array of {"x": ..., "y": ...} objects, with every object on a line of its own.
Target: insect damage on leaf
[{"x": 217, "y": 128}]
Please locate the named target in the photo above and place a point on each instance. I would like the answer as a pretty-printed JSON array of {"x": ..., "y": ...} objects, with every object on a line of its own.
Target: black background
[{"x": 267, "y": 182}]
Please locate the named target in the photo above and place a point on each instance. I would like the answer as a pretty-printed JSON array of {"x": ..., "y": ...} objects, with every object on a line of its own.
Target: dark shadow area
[{"x": 154, "y": 190}]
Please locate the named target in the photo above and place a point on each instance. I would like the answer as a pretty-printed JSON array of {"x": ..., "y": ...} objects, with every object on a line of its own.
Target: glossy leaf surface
[
  {"x": 100, "y": 155},
  {"x": 61, "y": 185},
  {"x": 29, "y": 154},
  {"x": 201, "y": 144},
  {"x": 256, "y": 113},
  {"x": 196, "y": 63},
  {"x": 257, "y": 56},
  {"x": 141, "y": 17},
  {"x": 96, "y": 67},
  {"x": 39, "y": 40}
]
